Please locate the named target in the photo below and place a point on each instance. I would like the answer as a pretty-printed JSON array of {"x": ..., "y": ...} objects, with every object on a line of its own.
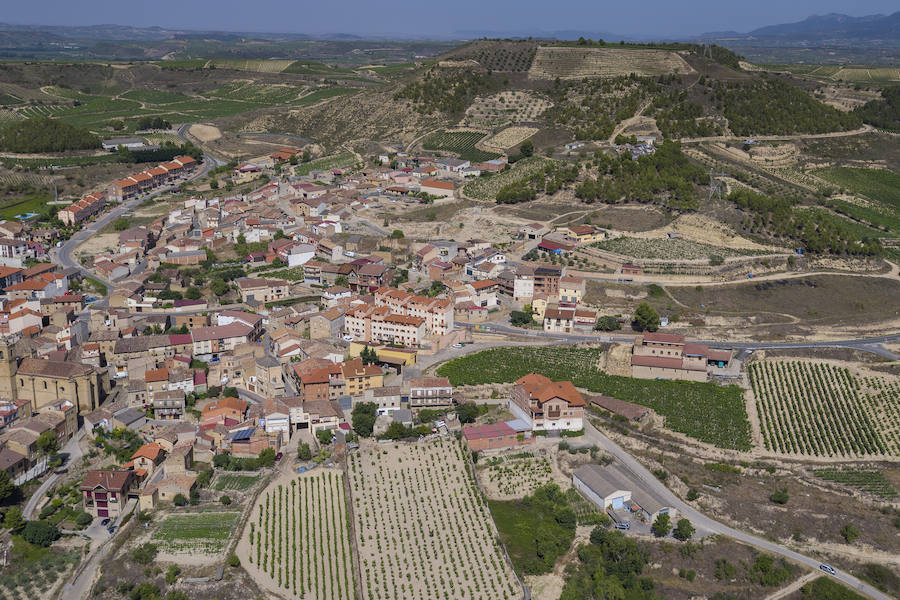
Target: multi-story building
[
  {"x": 106, "y": 492},
  {"x": 262, "y": 290},
  {"x": 430, "y": 392},
  {"x": 437, "y": 312},
  {"x": 546, "y": 404}
]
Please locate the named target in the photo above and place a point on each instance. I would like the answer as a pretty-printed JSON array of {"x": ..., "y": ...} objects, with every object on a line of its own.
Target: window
[
  {"x": 62, "y": 389},
  {"x": 45, "y": 385}
]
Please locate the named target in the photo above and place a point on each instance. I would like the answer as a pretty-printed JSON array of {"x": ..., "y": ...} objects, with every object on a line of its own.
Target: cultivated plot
[{"x": 423, "y": 530}]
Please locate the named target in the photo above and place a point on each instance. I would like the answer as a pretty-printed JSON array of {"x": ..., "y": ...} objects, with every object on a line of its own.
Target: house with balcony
[{"x": 104, "y": 493}]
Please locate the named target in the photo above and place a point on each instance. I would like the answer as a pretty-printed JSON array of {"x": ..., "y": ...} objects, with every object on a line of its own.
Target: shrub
[
  {"x": 683, "y": 530},
  {"x": 179, "y": 500},
  {"x": 662, "y": 525},
  {"x": 83, "y": 519},
  {"x": 304, "y": 452},
  {"x": 233, "y": 560},
  {"x": 226, "y": 500},
  {"x": 849, "y": 532},
  {"x": 692, "y": 494},
  {"x": 144, "y": 554},
  {"x": 779, "y": 496},
  {"x": 172, "y": 574}
]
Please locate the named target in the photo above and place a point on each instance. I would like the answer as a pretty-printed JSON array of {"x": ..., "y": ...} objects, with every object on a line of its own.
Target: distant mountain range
[{"x": 831, "y": 29}]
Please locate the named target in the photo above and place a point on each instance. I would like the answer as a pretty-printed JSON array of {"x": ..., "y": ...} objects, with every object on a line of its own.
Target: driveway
[{"x": 73, "y": 449}]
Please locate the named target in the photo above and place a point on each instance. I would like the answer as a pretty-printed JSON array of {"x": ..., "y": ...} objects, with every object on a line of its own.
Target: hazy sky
[{"x": 443, "y": 17}]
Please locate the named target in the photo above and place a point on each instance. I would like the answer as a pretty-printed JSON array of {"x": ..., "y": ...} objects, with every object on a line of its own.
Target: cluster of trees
[
  {"x": 665, "y": 177},
  {"x": 884, "y": 113},
  {"x": 164, "y": 153},
  {"x": 153, "y": 123},
  {"x": 676, "y": 116},
  {"x": 46, "y": 135},
  {"x": 399, "y": 431},
  {"x": 816, "y": 230},
  {"x": 594, "y": 106},
  {"x": 774, "y": 107},
  {"x": 609, "y": 567},
  {"x": 548, "y": 180},
  {"x": 363, "y": 418},
  {"x": 446, "y": 90},
  {"x": 645, "y": 318},
  {"x": 368, "y": 356},
  {"x": 552, "y": 522},
  {"x": 227, "y": 462}
]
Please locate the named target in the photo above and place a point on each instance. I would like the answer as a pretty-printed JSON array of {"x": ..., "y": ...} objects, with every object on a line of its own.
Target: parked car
[
  {"x": 279, "y": 455},
  {"x": 828, "y": 569},
  {"x": 104, "y": 522},
  {"x": 623, "y": 525},
  {"x": 457, "y": 345}
]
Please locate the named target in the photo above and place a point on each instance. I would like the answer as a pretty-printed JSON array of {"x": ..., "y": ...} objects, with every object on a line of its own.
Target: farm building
[
  {"x": 495, "y": 436},
  {"x": 435, "y": 187},
  {"x": 632, "y": 412},
  {"x": 545, "y": 404},
  {"x": 668, "y": 356},
  {"x": 610, "y": 489}
]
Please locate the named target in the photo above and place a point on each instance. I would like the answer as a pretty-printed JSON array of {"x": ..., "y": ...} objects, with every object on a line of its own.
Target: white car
[
  {"x": 348, "y": 338},
  {"x": 828, "y": 569},
  {"x": 457, "y": 345}
]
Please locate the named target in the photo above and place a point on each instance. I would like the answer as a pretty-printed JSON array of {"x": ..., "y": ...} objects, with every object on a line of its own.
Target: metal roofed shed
[{"x": 610, "y": 487}]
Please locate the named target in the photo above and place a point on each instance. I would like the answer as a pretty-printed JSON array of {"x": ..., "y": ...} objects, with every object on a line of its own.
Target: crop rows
[
  {"x": 299, "y": 538},
  {"x": 517, "y": 477},
  {"x": 486, "y": 188},
  {"x": 665, "y": 248},
  {"x": 199, "y": 533},
  {"x": 578, "y": 63},
  {"x": 327, "y": 163},
  {"x": 234, "y": 481},
  {"x": 255, "y": 66},
  {"x": 872, "y": 482},
  {"x": 424, "y": 531},
  {"x": 257, "y": 92},
  {"x": 458, "y": 142},
  {"x": 823, "y": 410},
  {"x": 705, "y": 411}
]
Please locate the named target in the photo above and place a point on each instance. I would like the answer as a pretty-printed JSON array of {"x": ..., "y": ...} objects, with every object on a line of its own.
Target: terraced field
[
  {"x": 506, "y": 107},
  {"x": 255, "y": 66},
  {"x": 580, "y": 63},
  {"x": 461, "y": 143}
]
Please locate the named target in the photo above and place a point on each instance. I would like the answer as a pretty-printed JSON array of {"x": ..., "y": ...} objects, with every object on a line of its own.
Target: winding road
[{"x": 640, "y": 473}]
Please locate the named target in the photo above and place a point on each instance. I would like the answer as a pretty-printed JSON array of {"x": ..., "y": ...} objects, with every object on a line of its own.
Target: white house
[{"x": 300, "y": 254}]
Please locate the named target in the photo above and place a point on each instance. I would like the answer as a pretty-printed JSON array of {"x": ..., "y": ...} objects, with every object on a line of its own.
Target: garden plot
[
  {"x": 817, "y": 408},
  {"x": 195, "y": 536},
  {"x": 234, "y": 481},
  {"x": 423, "y": 530},
  {"x": 509, "y": 137},
  {"x": 514, "y": 475},
  {"x": 581, "y": 63},
  {"x": 505, "y": 107},
  {"x": 298, "y": 541}
]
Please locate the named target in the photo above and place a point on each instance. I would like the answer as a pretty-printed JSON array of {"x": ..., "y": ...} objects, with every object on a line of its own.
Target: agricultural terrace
[
  {"x": 461, "y": 143},
  {"x": 880, "y": 185},
  {"x": 870, "y": 482},
  {"x": 506, "y": 107},
  {"x": 255, "y": 66},
  {"x": 205, "y": 533},
  {"x": 424, "y": 531},
  {"x": 234, "y": 481},
  {"x": 583, "y": 63},
  {"x": 298, "y": 540},
  {"x": 509, "y": 137},
  {"x": 486, "y": 188},
  {"x": 514, "y": 475},
  {"x": 705, "y": 411},
  {"x": 816, "y": 408},
  {"x": 672, "y": 249}
]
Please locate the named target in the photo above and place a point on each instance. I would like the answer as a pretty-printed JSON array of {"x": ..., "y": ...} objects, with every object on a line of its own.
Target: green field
[
  {"x": 234, "y": 481},
  {"x": 327, "y": 163},
  {"x": 708, "y": 412},
  {"x": 323, "y": 94},
  {"x": 309, "y": 67},
  {"x": 155, "y": 96},
  {"x": 880, "y": 185},
  {"x": 459, "y": 142},
  {"x": 204, "y": 533}
]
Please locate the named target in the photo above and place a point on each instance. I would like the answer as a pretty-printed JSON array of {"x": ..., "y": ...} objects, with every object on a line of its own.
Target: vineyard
[
  {"x": 424, "y": 531},
  {"x": 705, "y": 411},
  {"x": 871, "y": 482},
  {"x": 505, "y": 107},
  {"x": 515, "y": 476},
  {"x": 257, "y": 92},
  {"x": 580, "y": 63},
  {"x": 234, "y": 481},
  {"x": 255, "y": 66},
  {"x": 199, "y": 533},
  {"x": 509, "y": 137},
  {"x": 327, "y": 163},
  {"x": 823, "y": 410},
  {"x": 8, "y": 116},
  {"x": 461, "y": 143},
  {"x": 298, "y": 538}
]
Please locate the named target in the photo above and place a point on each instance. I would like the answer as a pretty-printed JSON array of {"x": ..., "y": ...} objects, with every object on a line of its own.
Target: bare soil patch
[{"x": 205, "y": 133}]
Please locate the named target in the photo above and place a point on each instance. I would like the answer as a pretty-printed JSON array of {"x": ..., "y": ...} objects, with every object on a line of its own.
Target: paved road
[
  {"x": 872, "y": 345},
  {"x": 73, "y": 449},
  {"x": 638, "y": 472}
]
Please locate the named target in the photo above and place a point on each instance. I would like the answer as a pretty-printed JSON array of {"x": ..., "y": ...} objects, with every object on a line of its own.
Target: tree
[
  {"x": 230, "y": 392},
  {"x": 121, "y": 224},
  {"x": 193, "y": 293},
  {"x": 363, "y": 418},
  {"x": 324, "y": 436},
  {"x": 179, "y": 500},
  {"x": 13, "y": 520},
  {"x": 194, "y": 498},
  {"x": 607, "y": 323},
  {"x": 779, "y": 496},
  {"x": 520, "y": 318},
  {"x": 368, "y": 355},
  {"x": 40, "y": 533},
  {"x": 646, "y": 318},
  {"x": 304, "y": 452},
  {"x": 662, "y": 525},
  {"x": 683, "y": 530},
  {"x": 526, "y": 148},
  {"x": 266, "y": 457},
  {"x": 397, "y": 234},
  {"x": 47, "y": 444},
  {"x": 172, "y": 574},
  {"x": 83, "y": 519},
  {"x": 467, "y": 411},
  {"x": 9, "y": 491},
  {"x": 225, "y": 500},
  {"x": 341, "y": 280},
  {"x": 218, "y": 286},
  {"x": 233, "y": 560}
]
